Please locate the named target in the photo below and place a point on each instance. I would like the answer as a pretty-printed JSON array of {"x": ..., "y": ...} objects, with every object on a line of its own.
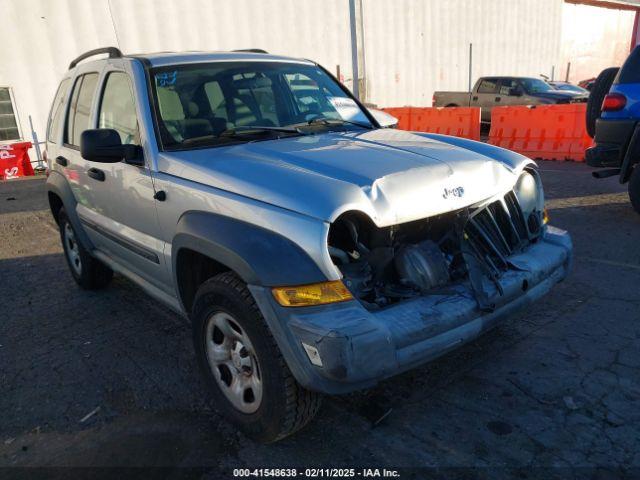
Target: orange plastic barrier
[
  {"x": 546, "y": 132},
  {"x": 14, "y": 160},
  {"x": 457, "y": 121},
  {"x": 403, "y": 114}
]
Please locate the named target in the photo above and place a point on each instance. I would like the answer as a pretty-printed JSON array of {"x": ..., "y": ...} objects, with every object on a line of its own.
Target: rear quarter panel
[{"x": 632, "y": 109}]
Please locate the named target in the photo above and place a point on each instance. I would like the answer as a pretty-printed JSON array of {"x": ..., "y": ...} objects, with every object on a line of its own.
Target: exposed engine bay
[{"x": 382, "y": 266}]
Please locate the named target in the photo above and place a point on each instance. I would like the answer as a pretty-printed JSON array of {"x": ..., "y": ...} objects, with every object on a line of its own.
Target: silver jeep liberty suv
[{"x": 313, "y": 250}]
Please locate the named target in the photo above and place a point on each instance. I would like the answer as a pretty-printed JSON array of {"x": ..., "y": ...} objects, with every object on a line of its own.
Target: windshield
[
  {"x": 232, "y": 102},
  {"x": 535, "y": 85}
]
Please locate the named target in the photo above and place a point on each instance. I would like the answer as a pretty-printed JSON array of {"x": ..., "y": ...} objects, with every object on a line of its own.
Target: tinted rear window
[
  {"x": 488, "y": 85},
  {"x": 80, "y": 108},
  {"x": 630, "y": 71},
  {"x": 57, "y": 109}
]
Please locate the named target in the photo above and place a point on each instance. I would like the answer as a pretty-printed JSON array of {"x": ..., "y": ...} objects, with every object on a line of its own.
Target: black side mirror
[
  {"x": 104, "y": 145},
  {"x": 515, "y": 92}
]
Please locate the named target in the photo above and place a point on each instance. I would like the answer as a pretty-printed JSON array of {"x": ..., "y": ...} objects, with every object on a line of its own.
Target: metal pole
[
  {"x": 566, "y": 77},
  {"x": 36, "y": 145},
  {"x": 553, "y": 72},
  {"x": 354, "y": 49},
  {"x": 470, "y": 64}
]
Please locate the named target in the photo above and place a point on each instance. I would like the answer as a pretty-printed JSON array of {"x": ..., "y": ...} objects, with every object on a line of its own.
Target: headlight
[
  {"x": 528, "y": 190},
  {"x": 314, "y": 294}
]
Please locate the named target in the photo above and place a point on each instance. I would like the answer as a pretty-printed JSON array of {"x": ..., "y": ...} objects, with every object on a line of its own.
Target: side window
[
  {"x": 57, "y": 109},
  {"x": 80, "y": 108},
  {"x": 117, "y": 108},
  {"x": 488, "y": 85},
  {"x": 506, "y": 84}
]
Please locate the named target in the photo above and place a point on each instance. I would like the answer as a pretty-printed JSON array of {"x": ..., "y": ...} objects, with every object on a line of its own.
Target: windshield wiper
[
  {"x": 334, "y": 121},
  {"x": 235, "y": 131}
]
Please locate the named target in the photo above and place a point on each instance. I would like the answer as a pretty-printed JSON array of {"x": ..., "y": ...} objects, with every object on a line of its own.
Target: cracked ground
[{"x": 554, "y": 389}]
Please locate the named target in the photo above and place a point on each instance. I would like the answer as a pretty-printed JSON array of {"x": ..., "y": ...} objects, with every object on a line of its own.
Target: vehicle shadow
[{"x": 118, "y": 358}]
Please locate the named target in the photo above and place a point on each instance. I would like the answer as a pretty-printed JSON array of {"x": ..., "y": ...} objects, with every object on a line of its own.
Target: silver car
[{"x": 313, "y": 250}]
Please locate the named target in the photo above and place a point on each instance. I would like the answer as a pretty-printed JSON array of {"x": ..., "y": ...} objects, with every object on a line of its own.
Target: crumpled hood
[{"x": 391, "y": 175}]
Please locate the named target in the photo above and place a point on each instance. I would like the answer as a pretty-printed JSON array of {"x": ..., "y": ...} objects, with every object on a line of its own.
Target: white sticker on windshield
[{"x": 347, "y": 108}]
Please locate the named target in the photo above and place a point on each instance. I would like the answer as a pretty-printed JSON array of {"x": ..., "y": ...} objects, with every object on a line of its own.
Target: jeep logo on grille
[{"x": 453, "y": 192}]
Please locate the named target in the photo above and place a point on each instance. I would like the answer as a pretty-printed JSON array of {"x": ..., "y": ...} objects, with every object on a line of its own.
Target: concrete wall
[
  {"x": 414, "y": 47},
  {"x": 408, "y": 48},
  {"x": 41, "y": 37},
  {"x": 593, "y": 39}
]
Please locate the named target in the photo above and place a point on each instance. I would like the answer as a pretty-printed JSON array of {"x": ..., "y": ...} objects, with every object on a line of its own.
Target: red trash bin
[{"x": 14, "y": 160}]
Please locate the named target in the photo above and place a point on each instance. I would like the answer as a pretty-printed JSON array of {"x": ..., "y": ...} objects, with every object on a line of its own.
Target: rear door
[
  {"x": 486, "y": 96},
  {"x": 78, "y": 119}
]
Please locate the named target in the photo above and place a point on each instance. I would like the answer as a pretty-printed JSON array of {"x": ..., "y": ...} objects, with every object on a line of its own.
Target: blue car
[{"x": 613, "y": 119}]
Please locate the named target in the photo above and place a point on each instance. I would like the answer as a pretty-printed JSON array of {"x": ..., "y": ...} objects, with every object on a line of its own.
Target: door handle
[
  {"x": 497, "y": 99},
  {"x": 96, "y": 174},
  {"x": 62, "y": 161}
]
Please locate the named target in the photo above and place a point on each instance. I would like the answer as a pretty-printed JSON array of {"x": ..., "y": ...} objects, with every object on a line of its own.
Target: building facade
[{"x": 402, "y": 50}]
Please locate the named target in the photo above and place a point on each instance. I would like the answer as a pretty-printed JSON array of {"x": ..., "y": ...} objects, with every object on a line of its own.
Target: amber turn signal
[
  {"x": 313, "y": 294},
  {"x": 545, "y": 216}
]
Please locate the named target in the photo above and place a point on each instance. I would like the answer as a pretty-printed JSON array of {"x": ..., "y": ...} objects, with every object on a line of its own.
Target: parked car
[
  {"x": 313, "y": 251},
  {"x": 568, "y": 87},
  {"x": 489, "y": 92},
  {"x": 613, "y": 115},
  {"x": 587, "y": 84},
  {"x": 580, "y": 95}
]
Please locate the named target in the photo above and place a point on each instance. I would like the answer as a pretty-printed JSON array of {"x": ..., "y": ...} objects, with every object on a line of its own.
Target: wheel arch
[
  {"x": 207, "y": 244},
  {"x": 60, "y": 196}
]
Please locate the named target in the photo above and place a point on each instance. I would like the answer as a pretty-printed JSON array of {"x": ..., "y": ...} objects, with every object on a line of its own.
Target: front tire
[
  {"x": 242, "y": 365},
  {"x": 634, "y": 188},
  {"x": 88, "y": 272}
]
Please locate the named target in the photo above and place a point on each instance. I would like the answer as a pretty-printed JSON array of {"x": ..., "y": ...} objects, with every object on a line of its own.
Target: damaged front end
[
  {"x": 422, "y": 288},
  {"x": 383, "y": 266}
]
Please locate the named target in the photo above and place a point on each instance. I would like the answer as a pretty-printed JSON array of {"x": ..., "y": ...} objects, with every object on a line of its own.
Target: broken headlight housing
[{"x": 530, "y": 194}]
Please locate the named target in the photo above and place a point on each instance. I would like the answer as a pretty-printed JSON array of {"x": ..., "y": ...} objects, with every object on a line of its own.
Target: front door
[
  {"x": 121, "y": 215},
  {"x": 511, "y": 92}
]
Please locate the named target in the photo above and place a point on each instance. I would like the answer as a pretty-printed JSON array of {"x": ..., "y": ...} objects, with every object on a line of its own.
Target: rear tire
[
  {"x": 600, "y": 89},
  {"x": 634, "y": 188},
  {"x": 242, "y": 365},
  {"x": 88, "y": 272}
]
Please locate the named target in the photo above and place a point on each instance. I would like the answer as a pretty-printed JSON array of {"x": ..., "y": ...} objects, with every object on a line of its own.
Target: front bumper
[{"x": 358, "y": 348}]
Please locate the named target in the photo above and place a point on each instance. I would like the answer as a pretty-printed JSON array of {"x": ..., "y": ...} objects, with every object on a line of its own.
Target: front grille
[{"x": 498, "y": 230}]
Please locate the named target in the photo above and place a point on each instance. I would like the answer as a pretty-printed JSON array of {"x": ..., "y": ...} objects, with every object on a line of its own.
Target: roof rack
[
  {"x": 251, "y": 50},
  {"x": 112, "y": 51}
]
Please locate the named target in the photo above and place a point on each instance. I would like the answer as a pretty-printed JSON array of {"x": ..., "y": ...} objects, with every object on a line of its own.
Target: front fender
[
  {"x": 259, "y": 256},
  {"x": 512, "y": 160}
]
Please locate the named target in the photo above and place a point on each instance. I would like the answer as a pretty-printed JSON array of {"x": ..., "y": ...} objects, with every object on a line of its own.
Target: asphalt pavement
[{"x": 109, "y": 378}]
